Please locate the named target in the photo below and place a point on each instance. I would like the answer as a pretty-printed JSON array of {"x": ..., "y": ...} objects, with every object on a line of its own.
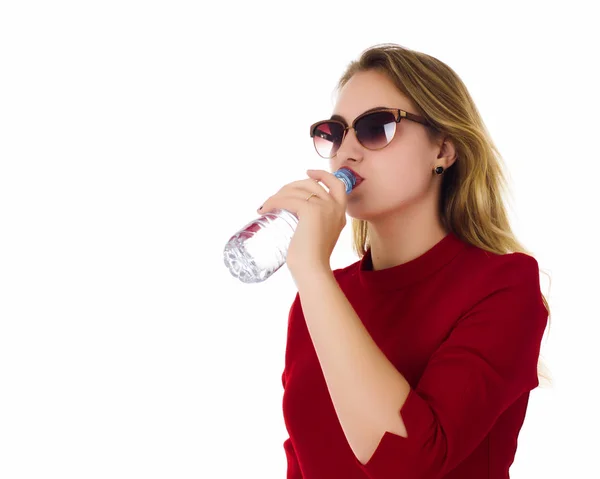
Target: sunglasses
[{"x": 375, "y": 129}]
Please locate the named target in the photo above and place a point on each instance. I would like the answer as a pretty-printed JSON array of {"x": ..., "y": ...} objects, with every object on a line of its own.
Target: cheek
[
  {"x": 403, "y": 170},
  {"x": 401, "y": 179}
]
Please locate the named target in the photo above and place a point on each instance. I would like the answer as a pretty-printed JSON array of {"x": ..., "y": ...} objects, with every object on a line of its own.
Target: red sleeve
[
  {"x": 487, "y": 362},
  {"x": 293, "y": 468}
]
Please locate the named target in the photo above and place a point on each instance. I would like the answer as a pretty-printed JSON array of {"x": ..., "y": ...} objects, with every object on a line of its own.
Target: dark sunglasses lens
[
  {"x": 376, "y": 130},
  {"x": 327, "y": 138}
]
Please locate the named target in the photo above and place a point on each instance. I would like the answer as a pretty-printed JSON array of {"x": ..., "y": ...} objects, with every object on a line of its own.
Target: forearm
[{"x": 365, "y": 387}]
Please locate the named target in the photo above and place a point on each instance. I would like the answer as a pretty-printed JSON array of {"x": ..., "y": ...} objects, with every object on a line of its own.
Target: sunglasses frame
[{"x": 399, "y": 114}]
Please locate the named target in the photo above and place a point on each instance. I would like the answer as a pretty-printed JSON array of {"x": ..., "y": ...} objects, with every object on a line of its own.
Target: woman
[{"x": 416, "y": 361}]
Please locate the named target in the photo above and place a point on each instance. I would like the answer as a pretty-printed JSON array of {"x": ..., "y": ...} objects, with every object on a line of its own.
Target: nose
[{"x": 350, "y": 147}]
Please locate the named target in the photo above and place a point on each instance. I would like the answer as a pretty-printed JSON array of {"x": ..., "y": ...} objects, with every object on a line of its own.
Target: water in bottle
[{"x": 260, "y": 248}]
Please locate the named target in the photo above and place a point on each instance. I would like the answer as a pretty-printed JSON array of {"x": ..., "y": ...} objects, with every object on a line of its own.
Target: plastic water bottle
[{"x": 260, "y": 248}]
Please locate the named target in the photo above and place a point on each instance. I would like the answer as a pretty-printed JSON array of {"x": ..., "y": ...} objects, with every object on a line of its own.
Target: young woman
[{"x": 416, "y": 361}]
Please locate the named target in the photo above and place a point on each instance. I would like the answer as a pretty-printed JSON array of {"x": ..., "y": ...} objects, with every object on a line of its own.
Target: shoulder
[
  {"x": 503, "y": 269},
  {"x": 479, "y": 279},
  {"x": 504, "y": 281}
]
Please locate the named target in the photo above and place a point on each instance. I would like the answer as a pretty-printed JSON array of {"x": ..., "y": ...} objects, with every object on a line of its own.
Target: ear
[{"x": 447, "y": 155}]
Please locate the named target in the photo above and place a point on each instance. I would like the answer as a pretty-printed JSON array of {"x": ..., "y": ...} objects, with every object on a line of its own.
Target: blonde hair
[{"x": 471, "y": 200}]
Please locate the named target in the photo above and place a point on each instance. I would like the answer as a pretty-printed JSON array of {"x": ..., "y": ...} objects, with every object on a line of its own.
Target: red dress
[{"x": 464, "y": 327}]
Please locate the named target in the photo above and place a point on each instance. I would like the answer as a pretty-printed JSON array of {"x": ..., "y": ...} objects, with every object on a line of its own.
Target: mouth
[
  {"x": 358, "y": 183},
  {"x": 359, "y": 179}
]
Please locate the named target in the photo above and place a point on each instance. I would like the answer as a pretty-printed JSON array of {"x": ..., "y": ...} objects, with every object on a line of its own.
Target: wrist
[{"x": 311, "y": 272}]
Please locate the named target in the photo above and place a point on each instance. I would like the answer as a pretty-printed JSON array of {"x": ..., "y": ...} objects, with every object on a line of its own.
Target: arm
[{"x": 365, "y": 387}]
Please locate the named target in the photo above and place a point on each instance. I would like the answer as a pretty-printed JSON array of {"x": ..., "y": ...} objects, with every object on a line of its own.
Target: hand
[{"x": 320, "y": 219}]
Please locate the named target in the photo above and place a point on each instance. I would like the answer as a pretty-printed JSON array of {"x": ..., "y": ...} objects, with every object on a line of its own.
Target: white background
[{"x": 137, "y": 137}]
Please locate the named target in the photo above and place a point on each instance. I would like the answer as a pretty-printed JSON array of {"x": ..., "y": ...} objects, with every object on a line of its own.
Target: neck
[{"x": 405, "y": 234}]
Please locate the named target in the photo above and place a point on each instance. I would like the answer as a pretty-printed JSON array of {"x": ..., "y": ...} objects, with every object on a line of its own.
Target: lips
[{"x": 359, "y": 179}]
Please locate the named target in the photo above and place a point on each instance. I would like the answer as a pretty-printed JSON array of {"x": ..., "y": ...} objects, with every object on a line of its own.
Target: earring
[{"x": 439, "y": 170}]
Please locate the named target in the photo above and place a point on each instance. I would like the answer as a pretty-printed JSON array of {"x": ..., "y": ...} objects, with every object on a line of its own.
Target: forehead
[{"x": 367, "y": 91}]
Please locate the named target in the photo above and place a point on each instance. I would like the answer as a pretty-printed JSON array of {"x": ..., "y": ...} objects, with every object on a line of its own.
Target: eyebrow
[{"x": 341, "y": 118}]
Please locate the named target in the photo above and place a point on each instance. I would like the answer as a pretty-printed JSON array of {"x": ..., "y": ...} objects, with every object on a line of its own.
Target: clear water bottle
[{"x": 260, "y": 248}]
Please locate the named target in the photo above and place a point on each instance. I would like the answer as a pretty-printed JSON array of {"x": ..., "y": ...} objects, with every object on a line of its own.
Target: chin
[{"x": 357, "y": 213}]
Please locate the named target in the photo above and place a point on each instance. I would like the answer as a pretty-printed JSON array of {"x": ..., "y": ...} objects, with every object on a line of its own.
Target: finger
[
  {"x": 337, "y": 188},
  {"x": 295, "y": 203},
  {"x": 297, "y": 189}
]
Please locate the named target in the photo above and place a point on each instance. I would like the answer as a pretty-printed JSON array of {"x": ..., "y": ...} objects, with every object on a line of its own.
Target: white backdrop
[{"x": 137, "y": 137}]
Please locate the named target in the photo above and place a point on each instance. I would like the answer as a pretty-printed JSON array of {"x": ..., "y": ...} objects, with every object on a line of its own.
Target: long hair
[{"x": 471, "y": 200}]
